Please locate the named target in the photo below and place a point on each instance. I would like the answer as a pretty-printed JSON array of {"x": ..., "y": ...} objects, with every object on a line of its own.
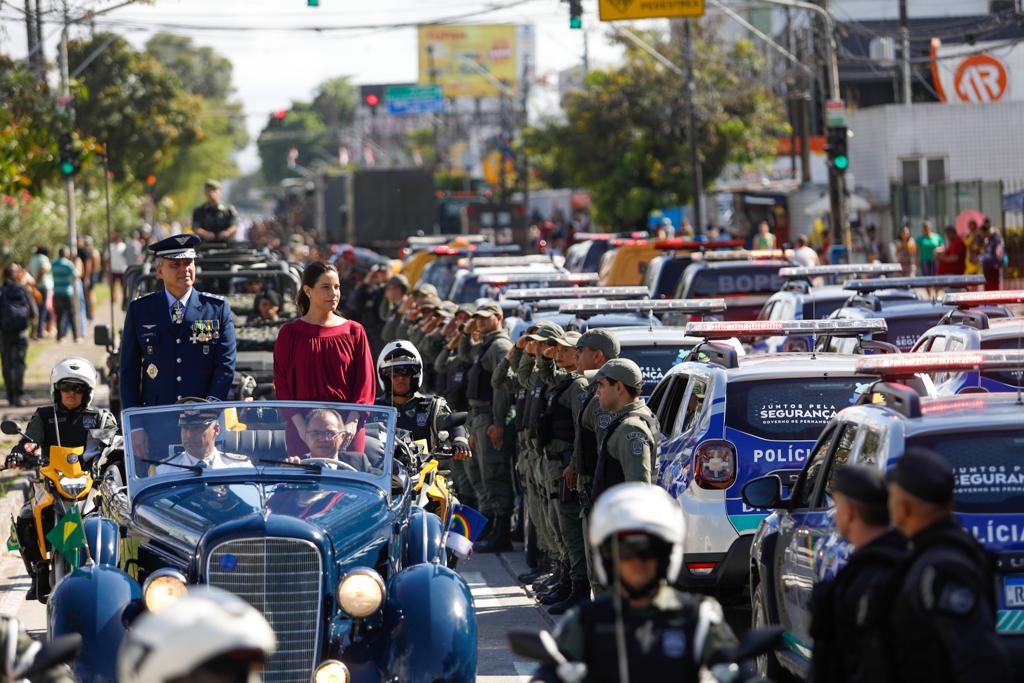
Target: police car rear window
[
  {"x": 654, "y": 362},
  {"x": 988, "y": 468},
  {"x": 1015, "y": 378},
  {"x": 821, "y": 309},
  {"x": 904, "y": 332},
  {"x": 787, "y": 409},
  {"x": 753, "y": 280}
]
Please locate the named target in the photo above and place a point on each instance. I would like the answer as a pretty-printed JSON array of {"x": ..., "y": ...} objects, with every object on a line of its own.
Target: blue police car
[
  {"x": 745, "y": 278},
  {"x": 981, "y": 322},
  {"x": 727, "y": 419},
  {"x": 524, "y": 306},
  {"x": 980, "y": 435}
]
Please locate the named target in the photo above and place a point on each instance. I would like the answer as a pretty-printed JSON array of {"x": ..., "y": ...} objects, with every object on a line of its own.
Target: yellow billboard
[
  {"x": 618, "y": 10},
  {"x": 473, "y": 60}
]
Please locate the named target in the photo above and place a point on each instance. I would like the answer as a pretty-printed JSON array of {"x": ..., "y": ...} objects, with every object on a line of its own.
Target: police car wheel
[{"x": 767, "y": 664}]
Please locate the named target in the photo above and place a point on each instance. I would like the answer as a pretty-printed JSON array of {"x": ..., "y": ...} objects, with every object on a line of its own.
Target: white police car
[
  {"x": 980, "y": 435},
  {"x": 728, "y": 419}
]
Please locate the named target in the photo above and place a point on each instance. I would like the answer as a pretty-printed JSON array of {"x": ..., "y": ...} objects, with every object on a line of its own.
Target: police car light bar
[
  {"x": 576, "y": 293},
  {"x": 906, "y": 364},
  {"x": 498, "y": 261},
  {"x": 644, "y": 306},
  {"x": 545, "y": 277},
  {"x": 441, "y": 239},
  {"x": 680, "y": 243},
  {"x": 773, "y": 328},
  {"x": 743, "y": 255},
  {"x": 929, "y": 281},
  {"x": 799, "y": 273},
  {"x": 971, "y": 299}
]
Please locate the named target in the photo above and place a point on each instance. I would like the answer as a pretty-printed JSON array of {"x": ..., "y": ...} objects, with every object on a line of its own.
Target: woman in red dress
[{"x": 322, "y": 357}]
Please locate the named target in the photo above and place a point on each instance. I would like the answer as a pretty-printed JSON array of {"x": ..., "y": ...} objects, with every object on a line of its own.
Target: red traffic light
[
  {"x": 372, "y": 99},
  {"x": 279, "y": 114},
  {"x": 151, "y": 180}
]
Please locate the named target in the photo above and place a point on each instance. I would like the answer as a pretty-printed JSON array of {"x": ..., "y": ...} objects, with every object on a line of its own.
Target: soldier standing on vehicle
[
  {"x": 629, "y": 447},
  {"x": 942, "y": 620},
  {"x": 214, "y": 221},
  {"x": 487, "y": 424},
  {"x": 642, "y": 629},
  {"x": 176, "y": 342},
  {"x": 849, "y": 613}
]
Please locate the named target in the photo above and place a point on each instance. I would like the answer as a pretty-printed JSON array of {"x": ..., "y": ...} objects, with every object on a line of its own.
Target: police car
[
  {"x": 745, "y": 278},
  {"x": 729, "y": 419},
  {"x": 810, "y": 293},
  {"x": 585, "y": 315},
  {"x": 980, "y": 435},
  {"x": 471, "y": 285},
  {"x": 980, "y": 322},
  {"x": 525, "y": 306},
  {"x": 906, "y": 320}
]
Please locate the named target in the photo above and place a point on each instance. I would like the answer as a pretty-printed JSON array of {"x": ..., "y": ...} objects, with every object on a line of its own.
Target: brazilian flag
[
  {"x": 12, "y": 540},
  {"x": 68, "y": 536}
]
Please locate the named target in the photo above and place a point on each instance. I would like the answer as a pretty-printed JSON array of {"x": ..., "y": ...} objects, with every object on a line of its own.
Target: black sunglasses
[
  {"x": 403, "y": 371},
  {"x": 75, "y": 388}
]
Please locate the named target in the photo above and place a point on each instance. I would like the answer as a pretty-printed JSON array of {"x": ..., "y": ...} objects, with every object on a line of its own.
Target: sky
[{"x": 275, "y": 62}]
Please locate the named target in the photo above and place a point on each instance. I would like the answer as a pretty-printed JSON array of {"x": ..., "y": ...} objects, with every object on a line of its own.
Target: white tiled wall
[{"x": 979, "y": 142}]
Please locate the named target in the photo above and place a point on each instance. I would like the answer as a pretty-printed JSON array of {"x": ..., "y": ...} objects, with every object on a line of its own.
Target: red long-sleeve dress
[{"x": 318, "y": 363}]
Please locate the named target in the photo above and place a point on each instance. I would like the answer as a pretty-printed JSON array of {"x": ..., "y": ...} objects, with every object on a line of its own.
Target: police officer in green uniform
[
  {"x": 448, "y": 365},
  {"x": 642, "y": 629},
  {"x": 411, "y": 315},
  {"x": 483, "y": 345},
  {"x": 629, "y": 447},
  {"x": 395, "y": 290},
  {"x": 214, "y": 221}
]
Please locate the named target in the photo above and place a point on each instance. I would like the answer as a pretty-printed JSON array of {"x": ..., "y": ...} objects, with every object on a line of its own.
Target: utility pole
[
  {"x": 696, "y": 176},
  {"x": 525, "y": 85},
  {"x": 905, "y": 53},
  {"x": 65, "y": 94},
  {"x": 586, "y": 53},
  {"x": 30, "y": 27},
  {"x": 792, "y": 97}
]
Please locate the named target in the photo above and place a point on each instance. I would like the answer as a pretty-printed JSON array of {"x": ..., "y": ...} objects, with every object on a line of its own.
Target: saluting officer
[
  {"x": 177, "y": 342},
  {"x": 943, "y": 621},
  {"x": 851, "y": 612},
  {"x": 629, "y": 446},
  {"x": 214, "y": 221}
]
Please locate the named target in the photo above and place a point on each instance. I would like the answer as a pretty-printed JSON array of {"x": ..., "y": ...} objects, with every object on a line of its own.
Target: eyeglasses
[
  {"x": 324, "y": 435},
  {"x": 72, "y": 388},
  {"x": 403, "y": 371}
]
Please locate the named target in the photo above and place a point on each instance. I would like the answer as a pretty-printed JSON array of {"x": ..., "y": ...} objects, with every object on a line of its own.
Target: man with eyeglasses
[{"x": 328, "y": 438}]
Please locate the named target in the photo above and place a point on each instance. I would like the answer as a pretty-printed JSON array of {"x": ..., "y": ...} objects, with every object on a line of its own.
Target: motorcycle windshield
[{"x": 202, "y": 440}]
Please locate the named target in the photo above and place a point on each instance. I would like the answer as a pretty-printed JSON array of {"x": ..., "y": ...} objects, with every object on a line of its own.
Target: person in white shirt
[
  {"x": 803, "y": 255},
  {"x": 118, "y": 262},
  {"x": 199, "y": 431}
]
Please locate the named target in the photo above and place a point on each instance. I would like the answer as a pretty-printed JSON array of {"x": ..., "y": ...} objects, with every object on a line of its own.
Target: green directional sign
[{"x": 404, "y": 100}]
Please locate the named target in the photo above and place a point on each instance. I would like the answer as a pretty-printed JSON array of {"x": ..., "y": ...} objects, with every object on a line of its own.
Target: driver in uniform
[{"x": 199, "y": 430}]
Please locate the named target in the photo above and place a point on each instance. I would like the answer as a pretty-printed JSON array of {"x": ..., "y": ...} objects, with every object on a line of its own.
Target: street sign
[
  {"x": 617, "y": 10},
  {"x": 836, "y": 112},
  {"x": 408, "y": 100}
]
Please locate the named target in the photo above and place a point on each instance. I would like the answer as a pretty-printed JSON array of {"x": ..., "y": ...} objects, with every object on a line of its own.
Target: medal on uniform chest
[
  {"x": 152, "y": 371},
  {"x": 216, "y": 329},
  {"x": 206, "y": 350},
  {"x": 178, "y": 313}
]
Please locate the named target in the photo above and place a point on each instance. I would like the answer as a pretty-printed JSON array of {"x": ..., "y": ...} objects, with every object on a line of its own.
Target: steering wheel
[{"x": 330, "y": 462}]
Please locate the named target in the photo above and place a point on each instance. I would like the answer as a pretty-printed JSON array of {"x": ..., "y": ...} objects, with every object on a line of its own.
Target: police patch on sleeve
[
  {"x": 673, "y": 644},
  {"x": 603, "y": 420},
  {"x": 957, "y": 599}
]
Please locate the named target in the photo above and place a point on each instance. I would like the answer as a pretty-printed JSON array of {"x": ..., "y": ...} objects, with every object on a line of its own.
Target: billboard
[
  {"x": 473, "y": 60},
  {"x": 978, "y": 74}
]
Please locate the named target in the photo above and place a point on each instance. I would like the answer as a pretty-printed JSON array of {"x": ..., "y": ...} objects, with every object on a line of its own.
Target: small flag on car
[
  {"x": 12, "y": 540},
  {"x": 67, "y": 536},
  {"x": 466, "y": 526}
]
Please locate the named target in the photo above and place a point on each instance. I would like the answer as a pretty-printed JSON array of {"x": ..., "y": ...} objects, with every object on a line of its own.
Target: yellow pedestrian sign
[{"x": 618, "y": 10}]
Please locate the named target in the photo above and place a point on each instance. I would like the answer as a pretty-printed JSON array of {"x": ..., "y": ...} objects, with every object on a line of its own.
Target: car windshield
[
  {"x": 654, "y": 362},
  {"x": 1015, "y": 378},
  {"x": 198, "y": 438},
  {"x": 989, "y": 474},
  {"x": 788, "y": 409}
]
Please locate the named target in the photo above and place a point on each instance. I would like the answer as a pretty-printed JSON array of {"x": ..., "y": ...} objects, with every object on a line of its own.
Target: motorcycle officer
[
  {"x": 208, "y": 636},
  {"x": 400, "y": 370},
  {"x": 66, "y": 422},
  {"x": 641, "y": 629}
]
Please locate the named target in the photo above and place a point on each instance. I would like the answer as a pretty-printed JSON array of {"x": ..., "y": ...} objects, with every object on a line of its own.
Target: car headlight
[
  {"x": 74, "y": 486},
  {"x": 163, "y": 587},
  {"x": 361, "y": 593},
  {"x": 331, "y": 671}
]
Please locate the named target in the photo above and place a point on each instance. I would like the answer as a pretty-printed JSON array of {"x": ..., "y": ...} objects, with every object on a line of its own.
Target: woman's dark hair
[
  {"x": 42, "y": 249},
  {"x": 10, "y": 272},
  {"x": 310, "y": 275}
]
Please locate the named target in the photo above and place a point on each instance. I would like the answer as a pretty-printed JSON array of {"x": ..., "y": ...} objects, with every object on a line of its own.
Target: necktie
[{"x": 178, "y": 313}]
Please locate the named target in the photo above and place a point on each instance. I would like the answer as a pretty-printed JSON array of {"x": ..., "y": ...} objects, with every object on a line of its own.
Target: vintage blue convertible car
[{"x": 323, "y": 539}]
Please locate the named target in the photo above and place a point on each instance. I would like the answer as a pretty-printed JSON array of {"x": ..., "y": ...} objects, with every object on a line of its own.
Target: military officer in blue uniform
[{"x": 178, "y": 341}]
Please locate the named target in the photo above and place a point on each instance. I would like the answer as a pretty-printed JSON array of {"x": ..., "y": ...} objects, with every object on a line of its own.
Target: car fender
[
  {"x": 431, "y": 621},
  {"x": 762, "y": 565},
  {"x": 97, "y": 602},
  {"x": 104, "y": 540},
  {"x": 424, "y": 538}
]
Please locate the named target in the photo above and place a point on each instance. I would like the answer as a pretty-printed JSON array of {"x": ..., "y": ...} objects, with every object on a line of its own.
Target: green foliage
[
  {"x": 314, "y": 128},
  {"x": 200, "y": 70},
  {"x": 625, "y": 133}
]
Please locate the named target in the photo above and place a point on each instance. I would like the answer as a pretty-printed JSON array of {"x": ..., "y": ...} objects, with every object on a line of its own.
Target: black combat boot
[
  {"x": 578, "y": 594},
  {"x": 527, "y": 578},
  {"x": 549, "y": 581},
  {"x": 500, "y": 538},
  {"x": 557, "y": 594}
]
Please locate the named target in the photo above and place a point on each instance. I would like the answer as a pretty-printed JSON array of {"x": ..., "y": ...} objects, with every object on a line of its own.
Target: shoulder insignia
[
  {"x": 603, "y": 420},
  {"x": 236, "y": 456},
  {"x": 956, "y": 598},
  {"x": 637, "y": 447},
  {"x": 636, "y": 436},
  {"x": 212, "y": 297},
  {"x": 673, "y": 643}
]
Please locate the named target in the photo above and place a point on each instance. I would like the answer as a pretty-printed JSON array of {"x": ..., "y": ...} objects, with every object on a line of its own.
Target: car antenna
[{"x": 1020, "y": 375}]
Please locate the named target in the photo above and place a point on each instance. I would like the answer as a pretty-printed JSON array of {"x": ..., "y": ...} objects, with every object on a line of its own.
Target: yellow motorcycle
[
  {"x": 434, "y": 493},
  {"x": 64, "y": 480}
]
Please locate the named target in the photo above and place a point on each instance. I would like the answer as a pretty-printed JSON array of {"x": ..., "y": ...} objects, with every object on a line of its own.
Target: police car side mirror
[
  {"x": 101, "y": 336},
  {"x": 763, "y": 493}
]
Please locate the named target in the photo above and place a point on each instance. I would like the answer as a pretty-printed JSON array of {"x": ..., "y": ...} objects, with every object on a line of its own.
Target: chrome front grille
[{"x": 281, "y": 578}]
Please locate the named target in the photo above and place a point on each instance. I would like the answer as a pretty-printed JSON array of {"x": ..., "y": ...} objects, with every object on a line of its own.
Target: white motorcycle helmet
[
  {"x": 208, "y": 629},
  {"x": 74, "y": 369},
  {"x": 400, "y": 353},
  {"x": 637, "y": 508}
]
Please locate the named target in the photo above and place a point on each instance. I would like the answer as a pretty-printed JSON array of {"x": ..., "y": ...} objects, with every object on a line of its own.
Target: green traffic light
[
  {"x": 841, "y": 162},
  {"x": 575, "y": 22},
  {"x": 67, "y": 168},
  {"x": 312, "y": 3}
]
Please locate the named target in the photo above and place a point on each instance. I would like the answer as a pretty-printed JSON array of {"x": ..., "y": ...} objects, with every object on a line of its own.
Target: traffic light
[
  {"x": 838, "y": 156},
  {"x": 70, "y": 156},
  {"x": 277, "y": 118},
  {"x": 372, "y": 96},
  {"x": 576, "y": 14},
  {"x": 312, "y": 3},
  {"x": 372, "y": 100}
]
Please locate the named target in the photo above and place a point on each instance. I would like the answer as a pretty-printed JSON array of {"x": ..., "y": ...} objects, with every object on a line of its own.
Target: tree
[
  {"x": 133, "y": 105},
  {"x": 335, "y": 102},
  {"x": 624, "y": 136},
  {"x": 201, "y": 70}
]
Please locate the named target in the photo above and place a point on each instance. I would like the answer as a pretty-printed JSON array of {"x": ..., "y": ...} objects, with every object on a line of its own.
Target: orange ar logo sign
[{"x": 979, "y": 79}]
